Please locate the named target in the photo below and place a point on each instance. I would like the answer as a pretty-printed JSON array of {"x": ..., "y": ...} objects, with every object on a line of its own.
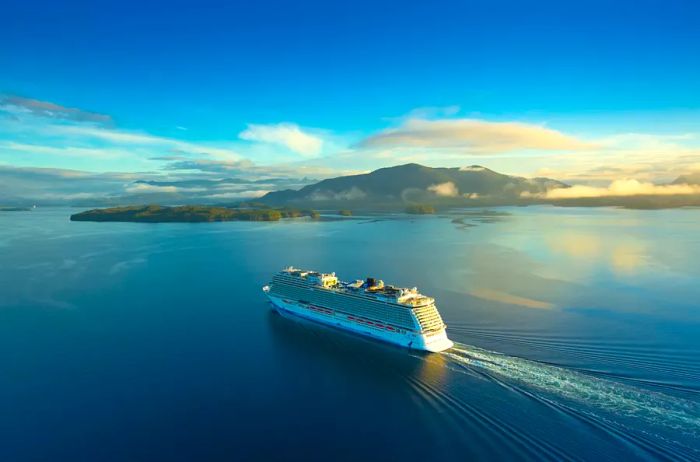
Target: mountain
[
  {"x": 413, "y": 183},
  {"x": 691, "y": 178}
]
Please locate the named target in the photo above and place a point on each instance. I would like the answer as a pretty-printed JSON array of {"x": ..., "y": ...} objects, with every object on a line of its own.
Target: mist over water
[{"x": 577, "y": 336}]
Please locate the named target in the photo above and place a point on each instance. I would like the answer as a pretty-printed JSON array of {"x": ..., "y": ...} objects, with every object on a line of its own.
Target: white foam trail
[{"x": 655, "y": 408}]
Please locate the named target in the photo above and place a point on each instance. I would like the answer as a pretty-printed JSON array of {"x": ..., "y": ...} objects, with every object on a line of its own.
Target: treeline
[
  {"x": 189, "y": 214},
  {"x": 420, "y": 209}
]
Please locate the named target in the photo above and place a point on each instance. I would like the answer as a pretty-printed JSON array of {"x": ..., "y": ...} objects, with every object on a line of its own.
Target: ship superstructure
[{"x": 397, "y": 315}]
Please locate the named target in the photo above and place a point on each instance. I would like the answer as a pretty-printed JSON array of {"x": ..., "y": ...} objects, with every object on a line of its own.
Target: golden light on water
[
  {"x": 621, "y": 254},
  {"x": 503, "y": 297},
  {"x": 433, "y": 369}
]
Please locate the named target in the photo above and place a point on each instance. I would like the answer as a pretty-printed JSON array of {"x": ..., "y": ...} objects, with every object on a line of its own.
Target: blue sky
[{"x": 300, "y": 87}]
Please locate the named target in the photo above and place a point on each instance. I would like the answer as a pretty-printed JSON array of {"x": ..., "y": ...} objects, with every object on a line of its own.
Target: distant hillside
[
  {"x": 691, "y": 178},
  {"x": 413, "y": 183}
]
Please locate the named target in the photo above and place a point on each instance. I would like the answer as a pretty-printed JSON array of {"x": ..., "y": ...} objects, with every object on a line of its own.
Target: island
[
  {"x": 189, "y": 214},
  {"x": 345, "y": 213},
  {"x": 15, "y": 209},
  {"x": 420, "y": 209}
]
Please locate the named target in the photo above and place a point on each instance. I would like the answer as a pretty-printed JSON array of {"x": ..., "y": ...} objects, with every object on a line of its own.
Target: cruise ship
[{"x": 368, "y": 307}]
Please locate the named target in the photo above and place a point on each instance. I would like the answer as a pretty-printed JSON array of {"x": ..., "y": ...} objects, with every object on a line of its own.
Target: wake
[{"x": 553, "y": 382}]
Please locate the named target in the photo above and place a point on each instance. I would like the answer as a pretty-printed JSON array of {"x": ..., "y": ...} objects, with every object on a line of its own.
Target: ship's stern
[{"x": 433, "y": 342}]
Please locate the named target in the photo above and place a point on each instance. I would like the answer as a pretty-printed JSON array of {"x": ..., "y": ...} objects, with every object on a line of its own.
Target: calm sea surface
[{"x": 577, "y": 336}]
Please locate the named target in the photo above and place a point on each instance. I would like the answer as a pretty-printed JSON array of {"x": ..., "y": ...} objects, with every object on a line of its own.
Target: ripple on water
[{"x": 605, "y": 403}]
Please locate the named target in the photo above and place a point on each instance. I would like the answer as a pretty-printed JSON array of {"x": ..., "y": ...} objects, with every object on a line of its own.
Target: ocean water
[{"x": 577, "y": 336}]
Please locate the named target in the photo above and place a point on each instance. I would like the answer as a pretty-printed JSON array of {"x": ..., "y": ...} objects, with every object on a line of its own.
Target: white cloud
[
  {"x": 66, "y": 150},
  {"x": 45, "y": 186},
  {"x": 238, "y": 195},
  {"x": 653, "y": 164},
  {"x": 209, "y": 165},
  {"x": 474, "y": 135},
  {"x": 26, "y": 106},
  {"x": 123, "y": 137},
  {"x": 626, "y": 187},
  {"x": 39, "y": 133},
  {"x": 645, "y": 141},
  {"x": 147, "y": 188},
  {"x": 447, "y": 189},
  {"x": 285, "y": 134}
]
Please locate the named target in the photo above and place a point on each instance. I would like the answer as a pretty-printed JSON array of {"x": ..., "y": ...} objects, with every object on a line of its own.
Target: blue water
[{"x": 577, "y": 337}]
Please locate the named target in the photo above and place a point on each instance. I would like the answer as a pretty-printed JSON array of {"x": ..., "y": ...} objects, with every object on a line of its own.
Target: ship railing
[{"x": 434, "y": 330}]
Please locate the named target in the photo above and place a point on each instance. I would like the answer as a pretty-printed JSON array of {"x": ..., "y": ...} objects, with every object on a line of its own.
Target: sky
[{"x": 231, "y": 99}]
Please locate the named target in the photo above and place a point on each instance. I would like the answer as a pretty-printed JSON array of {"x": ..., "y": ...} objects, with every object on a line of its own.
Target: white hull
[{"x": 433, "y": 342}]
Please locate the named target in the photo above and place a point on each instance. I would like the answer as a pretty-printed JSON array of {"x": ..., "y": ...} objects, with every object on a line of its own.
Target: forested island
[
  {"x": 190, "y": 214},
  {"x": 420, "y": 209}
]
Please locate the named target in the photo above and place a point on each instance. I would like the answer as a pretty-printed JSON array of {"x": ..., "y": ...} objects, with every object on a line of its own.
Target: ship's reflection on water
[
  {"x": 332, "y": 371},
  {"x": 358, "y": 355}
]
